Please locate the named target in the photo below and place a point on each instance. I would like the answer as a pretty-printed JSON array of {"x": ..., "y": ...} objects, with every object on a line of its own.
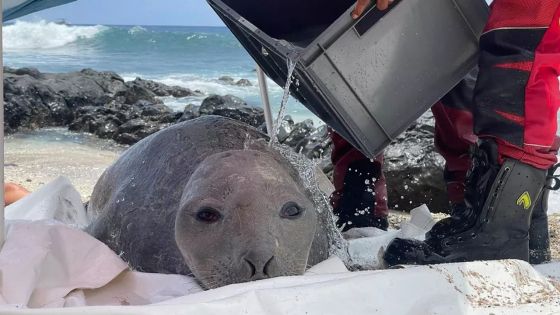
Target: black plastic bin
[{"x": 368, "y": 79}]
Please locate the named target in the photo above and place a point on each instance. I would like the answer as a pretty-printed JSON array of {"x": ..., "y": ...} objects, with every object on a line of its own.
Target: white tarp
[
  {"x": 52, "y": 265},
  {"x": 57, "y": 200}
]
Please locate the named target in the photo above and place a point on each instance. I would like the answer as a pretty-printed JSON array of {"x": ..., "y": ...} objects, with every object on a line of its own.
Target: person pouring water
[{"x": 497, "y": 132}]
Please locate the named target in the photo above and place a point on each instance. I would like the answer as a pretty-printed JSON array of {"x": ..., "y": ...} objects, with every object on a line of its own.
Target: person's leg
[
  {"x": 516, "y": 97},
  {"x": 521, "y": 51},
  {"x": 360, "y": 196},
  {"x": 454, "y": 137},
  {"x": 515, "y": 106}
]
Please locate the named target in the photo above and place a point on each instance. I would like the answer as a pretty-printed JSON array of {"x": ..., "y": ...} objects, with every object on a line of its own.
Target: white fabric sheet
[
  {"x": 47, "y": 267},
  {"x": 57, "y": 200}
]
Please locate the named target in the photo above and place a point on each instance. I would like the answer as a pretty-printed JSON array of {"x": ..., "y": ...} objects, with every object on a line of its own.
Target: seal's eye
[
  {"x": 291, "y": 211},
  {"x": 208, "y": 215}
]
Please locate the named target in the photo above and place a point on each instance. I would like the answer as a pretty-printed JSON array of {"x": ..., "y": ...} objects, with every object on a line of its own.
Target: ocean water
[{"x": 192, "y": 57}]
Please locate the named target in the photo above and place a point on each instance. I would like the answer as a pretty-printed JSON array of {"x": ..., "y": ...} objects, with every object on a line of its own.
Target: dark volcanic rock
[
  {"x": 286, "y": 128},
  {"x": 101, "y": 121},
  {"x": 243, "y": 82},
  {"x": 137, "y": 129},
  {"x": 31, "y": 103},
  {"x": 135, "y": 93},
  {"x": 24, "y": 71},
  {"x": 108, "y": 130},
  {"x": 414, "y": 170},
  {"x": 299, "y": 133},
  {"x": 250, "y": 115},
  {"x": 110, "y": 82},
  {"x": 34, "y": 100},
  {"x": 226, "y": 79},
  {"x": 115, "y": 119},
  {"x": 213, "y": 102},
  {"x": 24, "y": 112},
  {"x": 127, "y": 139},
  {"x": 132, "y": 126},
  {"x": 190, "y": 112},
  {"x": 84, "y": 88},
  {"x": 103, "y": 104},
  {"x": 154, "y": 112},
  {"x": 229, "y": 80},
  {"x": 317, "y": 144},
  {"x": 160, "y": 89},
  {"x": 232, "y": 107}
]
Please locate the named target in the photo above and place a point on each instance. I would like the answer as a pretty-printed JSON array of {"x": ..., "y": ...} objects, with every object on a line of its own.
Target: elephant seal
[{"x": 209, "y": 197}]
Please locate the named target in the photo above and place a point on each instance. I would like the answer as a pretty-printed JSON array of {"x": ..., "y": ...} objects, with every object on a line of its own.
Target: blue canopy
[{"x": 12, "y": 9}]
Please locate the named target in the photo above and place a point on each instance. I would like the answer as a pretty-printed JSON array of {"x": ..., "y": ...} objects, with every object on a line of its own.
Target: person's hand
[{"x": 361, "y": 6}]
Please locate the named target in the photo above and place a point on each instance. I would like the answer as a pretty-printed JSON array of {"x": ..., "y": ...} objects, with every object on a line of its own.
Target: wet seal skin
[{"x": 208, "y": 197}]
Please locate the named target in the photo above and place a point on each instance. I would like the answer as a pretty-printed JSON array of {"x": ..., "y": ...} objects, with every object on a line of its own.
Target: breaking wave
[
  {"x": 27, "y": 36},
  {"x": 45, "y": 35}
]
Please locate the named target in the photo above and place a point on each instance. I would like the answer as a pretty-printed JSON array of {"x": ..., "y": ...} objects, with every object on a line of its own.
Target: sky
[{"x": 132, "y": 12}]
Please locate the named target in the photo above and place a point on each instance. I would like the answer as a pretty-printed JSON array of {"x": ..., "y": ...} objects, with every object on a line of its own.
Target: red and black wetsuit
[{"x": 514, "y": 101}]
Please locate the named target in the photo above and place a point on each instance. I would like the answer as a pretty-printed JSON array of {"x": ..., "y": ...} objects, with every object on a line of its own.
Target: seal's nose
[{"x": 259, "y": 265}]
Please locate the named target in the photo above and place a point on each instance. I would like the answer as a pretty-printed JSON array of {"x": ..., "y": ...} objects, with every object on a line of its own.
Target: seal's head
[{"x": 244, "y": 215}]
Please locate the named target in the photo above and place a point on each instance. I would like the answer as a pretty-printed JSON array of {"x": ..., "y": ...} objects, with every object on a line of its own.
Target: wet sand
[{"x": 34, "y": 159}]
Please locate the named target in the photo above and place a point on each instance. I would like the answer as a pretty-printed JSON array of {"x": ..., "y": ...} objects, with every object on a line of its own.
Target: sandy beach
[{"x": 36, "y": 158}]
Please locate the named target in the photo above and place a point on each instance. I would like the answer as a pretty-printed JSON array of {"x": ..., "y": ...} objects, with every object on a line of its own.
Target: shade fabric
[{"x": 12, "y": 9}]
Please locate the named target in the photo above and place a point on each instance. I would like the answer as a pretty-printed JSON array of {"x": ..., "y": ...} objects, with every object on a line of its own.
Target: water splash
[
  {"x": 291, "y": 64},
  {"x": 307, "y": 170}
]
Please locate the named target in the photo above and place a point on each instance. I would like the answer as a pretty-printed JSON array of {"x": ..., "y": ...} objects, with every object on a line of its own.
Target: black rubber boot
[
  {"x": 539, "y": 237},
  {"x": 355, "y": 208},
  {"x": 494, "y": 224}
]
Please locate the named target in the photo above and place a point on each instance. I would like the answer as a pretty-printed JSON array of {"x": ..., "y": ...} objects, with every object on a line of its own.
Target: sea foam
[{"x": 45, "y": 35}]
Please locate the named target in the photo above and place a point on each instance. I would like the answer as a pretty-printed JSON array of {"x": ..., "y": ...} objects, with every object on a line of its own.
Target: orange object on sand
[{"x": 14, "y": 192}]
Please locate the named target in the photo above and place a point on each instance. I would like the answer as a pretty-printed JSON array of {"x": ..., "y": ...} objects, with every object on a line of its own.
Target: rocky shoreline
[{"x": 104, "y": 104}]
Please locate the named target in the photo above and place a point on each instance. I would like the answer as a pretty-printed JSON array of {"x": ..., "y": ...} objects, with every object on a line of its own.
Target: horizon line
[{"x": 93, "y": 24}]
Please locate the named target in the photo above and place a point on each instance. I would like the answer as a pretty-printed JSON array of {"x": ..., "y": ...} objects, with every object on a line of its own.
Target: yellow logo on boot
[{"x": 525, "y": 201}]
